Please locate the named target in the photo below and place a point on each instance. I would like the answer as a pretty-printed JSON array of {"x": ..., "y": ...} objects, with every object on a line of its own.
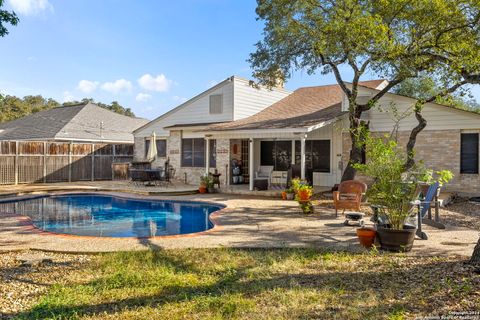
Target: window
[
  {"x": 213, "y": 153},
  {"x": 161, "y": 147},
  {"x": 317, "y": 155},
  {"x": 193, "y": 152},
  {"x": 469, "y": 153},
  {"x": 216, "y": 103},
  {"x": 276, "y": 153}
]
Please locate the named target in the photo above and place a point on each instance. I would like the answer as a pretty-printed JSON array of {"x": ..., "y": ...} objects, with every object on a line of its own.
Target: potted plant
[
  {"x": 392, "y": 191},
  {"x": 290, "y": 194},
  {"x": 303, "y": 196},
  {"x": 366, "y": 236},
  {"x": 203, "y": 184},
  {"x": 210, "y": 184}
]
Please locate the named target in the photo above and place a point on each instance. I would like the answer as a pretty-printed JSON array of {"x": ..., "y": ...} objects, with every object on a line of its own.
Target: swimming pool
[{"x": 113, "y": 216}]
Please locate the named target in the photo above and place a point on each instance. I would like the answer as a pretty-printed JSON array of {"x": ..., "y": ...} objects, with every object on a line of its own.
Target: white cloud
[
  {"x": 30, "y": 7},
  {"x": 67, "y": 97},
  {"x": 120, "y": 85},
  {"x": 87, "y": 86},
  {"x": 142, "y": 97},
  {"x": 159, "y": 83}
]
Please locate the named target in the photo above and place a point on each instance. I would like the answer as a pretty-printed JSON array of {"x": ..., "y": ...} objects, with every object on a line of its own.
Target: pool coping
[{"x": 26, "y": 223}]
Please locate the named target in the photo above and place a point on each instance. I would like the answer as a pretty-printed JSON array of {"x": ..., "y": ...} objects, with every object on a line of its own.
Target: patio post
[
  {"x": 207, "y": 155},
  {"x": 302, "y": 158},
  {"x": 250, "y": 164},
  {"x": 293, "y": 152}
]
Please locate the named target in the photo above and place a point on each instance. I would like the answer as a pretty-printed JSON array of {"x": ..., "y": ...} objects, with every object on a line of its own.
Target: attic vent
[{"x": 216, "y": 103}]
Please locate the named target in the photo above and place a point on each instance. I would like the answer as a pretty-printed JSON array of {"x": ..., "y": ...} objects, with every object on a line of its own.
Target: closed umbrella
[{"x": 152, "y": 149}]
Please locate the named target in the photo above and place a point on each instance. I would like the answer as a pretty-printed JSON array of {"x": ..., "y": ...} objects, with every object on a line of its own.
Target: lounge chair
[
  {"x": 264, "y": 173},
  {"x": 349, "y": 195},
  {"x": 424, "y": 206}
]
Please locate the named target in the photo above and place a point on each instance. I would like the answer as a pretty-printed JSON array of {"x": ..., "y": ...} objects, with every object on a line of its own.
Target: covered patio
[{"x": 276, "y": 156}]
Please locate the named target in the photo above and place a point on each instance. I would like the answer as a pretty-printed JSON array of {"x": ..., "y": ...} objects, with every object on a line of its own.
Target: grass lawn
[{"x": 260, "y": 284}]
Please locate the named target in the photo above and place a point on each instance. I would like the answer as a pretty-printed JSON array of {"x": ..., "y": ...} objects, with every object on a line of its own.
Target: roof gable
[{"x": 78, "y": 122}]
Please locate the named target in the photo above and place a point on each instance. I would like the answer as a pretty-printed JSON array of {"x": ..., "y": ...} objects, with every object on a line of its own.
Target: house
[
  {"x": 84, "y": 122},
  {"x": 306, "y": 129},
  {"x": 70, "y": 143}
]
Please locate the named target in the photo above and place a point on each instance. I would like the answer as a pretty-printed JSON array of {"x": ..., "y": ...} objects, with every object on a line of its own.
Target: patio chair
[
  {"x": 264, "y": 173},
  {"x": 424, "y": 206},
  {"x": 349, "y": 195}
]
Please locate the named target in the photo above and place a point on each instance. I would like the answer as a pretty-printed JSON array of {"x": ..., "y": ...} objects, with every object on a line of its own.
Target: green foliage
[
  {"x": 424, "y": 87},
  {"x": 206, "y": 180},
  {"x": 114, "y": 106},
  {"x": 12, "y": 107},
  {"x": 6, "y": 17},
  {"x": 297, "y": 183},
  {"x": 393, "y": 186},
  {"x": 391, "y": 39},
  {"x": 394, "y": 39}
]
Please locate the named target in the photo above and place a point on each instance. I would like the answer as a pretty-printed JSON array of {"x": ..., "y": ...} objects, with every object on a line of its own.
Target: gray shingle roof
[{"x": 79, "y": 122}]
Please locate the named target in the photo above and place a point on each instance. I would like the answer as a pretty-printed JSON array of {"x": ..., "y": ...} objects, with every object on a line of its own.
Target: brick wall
[{"x": 439, "y": 150}]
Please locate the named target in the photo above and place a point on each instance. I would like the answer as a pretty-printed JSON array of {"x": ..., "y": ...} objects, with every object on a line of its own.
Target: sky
[{"x": 149, "y": 55}]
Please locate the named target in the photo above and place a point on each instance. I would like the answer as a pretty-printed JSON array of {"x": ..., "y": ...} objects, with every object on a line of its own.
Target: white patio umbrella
[{"x": 152, "y": 149}]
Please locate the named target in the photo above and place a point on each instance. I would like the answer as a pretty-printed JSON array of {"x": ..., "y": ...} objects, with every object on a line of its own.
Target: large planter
[
  {"x": 290, "y": 196},
  {"x": 366, "y": 236},
  {"x": 202, "y": 189},
  {"x": 396, "y": 240}
]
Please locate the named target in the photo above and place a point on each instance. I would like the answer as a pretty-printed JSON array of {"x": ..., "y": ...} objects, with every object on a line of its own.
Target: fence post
[
  {"x": 44, "y": 162},
  {"x": 16, "y": 162},
  {"x": 93, "y": 162},
  {"x": 70, "y": 146}
]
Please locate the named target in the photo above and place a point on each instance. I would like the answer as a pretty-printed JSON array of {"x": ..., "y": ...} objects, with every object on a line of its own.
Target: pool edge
[{"x": 26, "y": 222}]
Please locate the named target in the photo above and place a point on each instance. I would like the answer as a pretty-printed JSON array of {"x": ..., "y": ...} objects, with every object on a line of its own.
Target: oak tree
[{"x": 392, "y": 39}]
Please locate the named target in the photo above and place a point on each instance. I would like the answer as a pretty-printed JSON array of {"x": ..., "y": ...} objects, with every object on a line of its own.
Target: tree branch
[{"x": 380, "y": 94}]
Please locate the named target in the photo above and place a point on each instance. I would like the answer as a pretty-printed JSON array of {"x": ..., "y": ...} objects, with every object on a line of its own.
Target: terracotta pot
[
  {"x": 366, "y": 236},
  {"x": 396, "y": 240},
  {"x": 284, "y": 195},
  {"x": 202, "y": 189}
]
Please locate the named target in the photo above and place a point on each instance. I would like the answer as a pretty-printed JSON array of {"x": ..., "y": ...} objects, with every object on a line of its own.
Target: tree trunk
[
  {"x": 355, "y": 157},
  {"x": 422, "y": 123},
  {"x": 476, "y": 254},
  {"x": 358, "y": 132}
]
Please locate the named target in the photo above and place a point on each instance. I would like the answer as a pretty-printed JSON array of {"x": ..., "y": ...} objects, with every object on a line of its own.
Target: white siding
[
  {"x": 438, "y": 117},
  {"x": 333, "y": 133},
  {"x": 249, "y": 100},
  {"x": 196, "y": 111}
]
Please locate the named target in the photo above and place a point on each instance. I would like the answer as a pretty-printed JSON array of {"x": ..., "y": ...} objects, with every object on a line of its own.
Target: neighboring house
[
  {"x": 85, "y": 122},
  {"x": 307, "y": 128},
  {"x": 71, "y": 143}
]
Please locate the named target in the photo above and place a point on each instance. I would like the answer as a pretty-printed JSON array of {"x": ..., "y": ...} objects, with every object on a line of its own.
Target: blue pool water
[{"x": 110, "y": 216}]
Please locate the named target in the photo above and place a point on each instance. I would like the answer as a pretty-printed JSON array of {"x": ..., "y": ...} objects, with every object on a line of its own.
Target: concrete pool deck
[{"x": 246, "y": 222}]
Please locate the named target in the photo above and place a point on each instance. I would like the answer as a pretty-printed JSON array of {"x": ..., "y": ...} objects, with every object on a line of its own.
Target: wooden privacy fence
[{"x": 38, "y": 161}]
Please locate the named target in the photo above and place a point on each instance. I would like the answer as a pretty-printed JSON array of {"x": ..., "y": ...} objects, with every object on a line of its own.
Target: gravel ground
[
  {"x": 462, "y": 213},
  {"x": 21, "y": 285}
]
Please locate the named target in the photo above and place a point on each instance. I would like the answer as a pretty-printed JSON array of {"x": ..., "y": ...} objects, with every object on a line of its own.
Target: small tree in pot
[{"x": 393, "y": 189}]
